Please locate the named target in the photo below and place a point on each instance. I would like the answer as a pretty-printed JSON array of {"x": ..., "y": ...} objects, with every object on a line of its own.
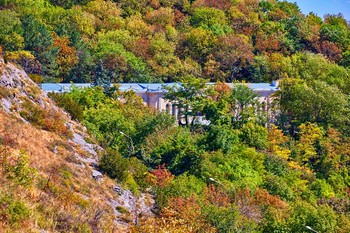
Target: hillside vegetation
[
  {"x": 49, "y": 178},
  {"x": 256, "y": 167},
  {"x": 164, "y": 40},
  {"x": 234, "y": 175}
]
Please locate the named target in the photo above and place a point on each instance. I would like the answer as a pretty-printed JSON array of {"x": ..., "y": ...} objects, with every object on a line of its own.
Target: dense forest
[
  {"x": 164, "y": 40},
  {"x": 245, "y": 171}
]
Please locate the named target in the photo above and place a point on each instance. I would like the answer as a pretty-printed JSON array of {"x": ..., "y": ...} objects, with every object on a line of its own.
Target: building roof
[
  {"x": 148, "y": 87},
  {"x": 263, "y": 86},
  {"x": 62, "y": 87}
]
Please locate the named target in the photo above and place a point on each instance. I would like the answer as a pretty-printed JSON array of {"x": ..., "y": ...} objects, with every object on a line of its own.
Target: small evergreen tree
[{"x": 101, "y": 77}]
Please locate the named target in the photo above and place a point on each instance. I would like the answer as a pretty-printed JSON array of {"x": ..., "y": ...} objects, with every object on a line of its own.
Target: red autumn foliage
[
  {"x": 247, "y": 206},
  {"x": 179, "y": 16},
  {"x": 163, "y": 175},
  {"x": 252, "y": 206},
  {"x": 330, "y": 50},
  {"x": 140, "y": 47},
  {"x": 262, "y": 197},
  {"x": 267, "y": 43},
  {"x": 215, "y": 195}
]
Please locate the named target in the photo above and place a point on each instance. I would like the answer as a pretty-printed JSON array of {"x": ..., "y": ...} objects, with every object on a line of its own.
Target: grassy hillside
[{"x": 49, "y": 168}]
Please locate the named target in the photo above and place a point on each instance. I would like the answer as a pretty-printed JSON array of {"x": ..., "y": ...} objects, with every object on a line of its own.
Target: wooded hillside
[
  {"x": 247, "y": 170},
  {"x": 163, "y": 40}
]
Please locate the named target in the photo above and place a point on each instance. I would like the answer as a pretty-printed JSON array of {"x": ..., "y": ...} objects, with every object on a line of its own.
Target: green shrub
[
  {"x": 179, "y": 151},
  {"x": 131, "y": 184},
  {"x": 139, "y": 172},
  {"x": 322, "y": 189},
  {"x": 114, "y": 165},
  {"x": 254, "y": 135},
  {"x": 276, "y": 165},
  {"x": 12, "y": 210},
  {"x": 222, "y": 138},
  {"x": 17, "y": 212},
  {"x": 184, "y": 185},
  {"x": 121, "y": 209},
  {"x": 36, "y": 78},
  {"x": 277, "y": 186},
  {"x": 19, "y": 170},
  {"x": 67, "y": 102},
  {"x": 226, "y": 219}
]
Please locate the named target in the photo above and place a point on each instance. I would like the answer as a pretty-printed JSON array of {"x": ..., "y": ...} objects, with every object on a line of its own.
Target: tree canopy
[{"x": 153, "y": 41}]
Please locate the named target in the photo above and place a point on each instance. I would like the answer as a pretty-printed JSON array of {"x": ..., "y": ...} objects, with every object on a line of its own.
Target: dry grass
[
  {"x": 5, "y": 92},
  {"x": 64, "y": 196}
]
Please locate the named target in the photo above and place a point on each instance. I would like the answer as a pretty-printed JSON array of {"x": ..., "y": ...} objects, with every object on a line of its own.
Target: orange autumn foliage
[{"x": 183, "y": 215}]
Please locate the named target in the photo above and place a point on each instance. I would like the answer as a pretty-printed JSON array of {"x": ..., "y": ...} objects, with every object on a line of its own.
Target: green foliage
[
  {"x": 168, "y": 40},
  {"x": 336, "y": 30},
  {"x": 101, "y": 77},
  {"x": 276, "y": 165},
  {"x": 320, "y": 218},
  {"x": 114, "y": 165},
  {"x": 254, "y": 135},
  {"x": 11, "y": 32},
  {"x": 235, "y": 169},
  {"x": 179, "y": 152},
  {"x": 339, "y": 181},
  {"x": 225, "y": 219},
  {"x": 188, "y": 97},
  {"x": 20, "y": 171},
  {"x": 139, "y": 172},
  {"x": 184, "y": 185},
  {"x": 243, "y": 101},
  {"x": 315, "y": 102},
  {"x": 200, "y": 43},
  {"x": 131, "y": 184},
  {"x": 14, "y": 211},
  {"x": 322, "y": 189},
  {"x": 129, "y": 171},
  {"x": 210, "y": 18},
  {"x": 222, "y": 137},
  {"x": 152, "y": 123},
  {"x": 69, "y": 3},
  {"x": 36, "y": 78},
  {"x": 39, "y": 39},
  {"x": 276, "y": 185},
  {"x": 136, "y": 68},
  {"x": 81, "y": 72},
  {"x": 69, "y": 104}
]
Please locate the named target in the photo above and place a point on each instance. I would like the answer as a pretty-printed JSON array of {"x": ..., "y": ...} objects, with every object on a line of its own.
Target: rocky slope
[{"x": 49, "y": 168}]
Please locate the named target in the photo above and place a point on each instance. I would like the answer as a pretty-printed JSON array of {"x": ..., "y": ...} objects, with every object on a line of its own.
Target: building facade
[{"x": 153, "y": 93}]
